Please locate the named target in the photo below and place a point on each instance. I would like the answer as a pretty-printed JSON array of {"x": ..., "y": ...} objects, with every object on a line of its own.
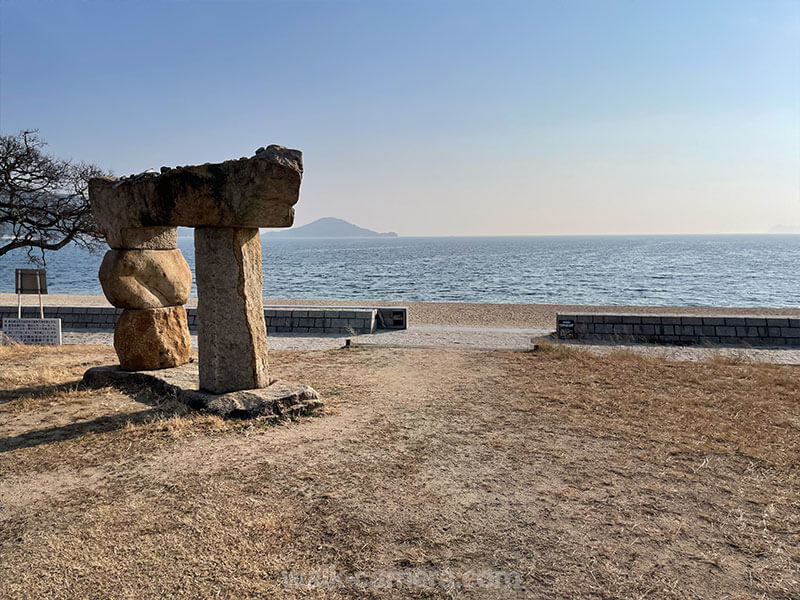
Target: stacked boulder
[
  {"x": 226, "y": 203},
  {"x": 145, "y": 274}
]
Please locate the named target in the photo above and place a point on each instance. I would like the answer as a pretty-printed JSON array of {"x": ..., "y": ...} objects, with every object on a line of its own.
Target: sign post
[
  {"x": 30, "y": 281},
  {"x": 32, "y": 331}
]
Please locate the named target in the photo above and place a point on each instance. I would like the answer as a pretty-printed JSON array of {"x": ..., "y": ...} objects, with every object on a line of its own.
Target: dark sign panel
[{"x": 31, "y": 281}]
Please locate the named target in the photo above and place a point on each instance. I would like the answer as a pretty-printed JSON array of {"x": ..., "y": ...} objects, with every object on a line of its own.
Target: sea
[{"x": 667, "y": 270}]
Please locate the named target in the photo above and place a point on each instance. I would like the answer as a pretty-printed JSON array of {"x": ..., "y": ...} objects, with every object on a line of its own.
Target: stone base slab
[{"x": 278, "y": 400}]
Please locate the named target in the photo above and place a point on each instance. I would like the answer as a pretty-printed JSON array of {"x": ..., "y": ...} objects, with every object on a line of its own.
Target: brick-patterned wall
[
  {"x": 71, "y": 317},
  {"x": 278, "y": 319},
  {"x": 299, "y": 320},
  {"x": 680, "y": 329}
]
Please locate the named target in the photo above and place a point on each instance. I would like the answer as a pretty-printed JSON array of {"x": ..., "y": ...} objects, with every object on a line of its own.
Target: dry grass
[{"x": 612, "y": 476}]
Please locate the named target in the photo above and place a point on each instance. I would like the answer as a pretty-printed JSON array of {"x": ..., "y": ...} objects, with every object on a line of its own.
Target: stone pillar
[
  {"x": 231, "y": 333},
  {"x": 145, "y": 274}
]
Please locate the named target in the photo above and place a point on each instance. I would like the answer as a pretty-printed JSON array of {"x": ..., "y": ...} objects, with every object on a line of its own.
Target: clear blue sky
[{"x": 436, "y": 117}]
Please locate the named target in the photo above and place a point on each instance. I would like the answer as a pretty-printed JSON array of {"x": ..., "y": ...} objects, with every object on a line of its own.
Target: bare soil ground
[{"x": 615, "y": 476}]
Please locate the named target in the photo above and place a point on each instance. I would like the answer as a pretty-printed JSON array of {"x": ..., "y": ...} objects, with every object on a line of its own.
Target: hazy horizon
[
  {"x": 188, "y": 232},
  {"x": 437, "y": 118},
  {"x": 773, "y": 231}
]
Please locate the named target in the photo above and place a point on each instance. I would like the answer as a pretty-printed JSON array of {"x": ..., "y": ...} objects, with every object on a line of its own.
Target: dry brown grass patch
[{"x": 613, "y": 476}]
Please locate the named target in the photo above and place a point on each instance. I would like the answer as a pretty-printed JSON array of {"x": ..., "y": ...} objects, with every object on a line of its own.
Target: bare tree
[{"x": 44, "y": 201}]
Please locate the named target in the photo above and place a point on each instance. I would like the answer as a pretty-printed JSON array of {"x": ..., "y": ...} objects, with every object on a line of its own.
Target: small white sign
[{"x": 33, "y": 331}]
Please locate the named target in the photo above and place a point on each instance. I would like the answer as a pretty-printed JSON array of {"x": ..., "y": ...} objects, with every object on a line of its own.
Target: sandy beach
[{"x": 462, "y": 314}]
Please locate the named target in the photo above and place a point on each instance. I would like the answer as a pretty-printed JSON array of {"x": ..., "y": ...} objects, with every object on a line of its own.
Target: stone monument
[{"x": 146, "y": 275}]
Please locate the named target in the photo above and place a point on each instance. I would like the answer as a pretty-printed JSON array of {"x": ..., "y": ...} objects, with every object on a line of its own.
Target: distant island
[{"x": 328, "y": 227}]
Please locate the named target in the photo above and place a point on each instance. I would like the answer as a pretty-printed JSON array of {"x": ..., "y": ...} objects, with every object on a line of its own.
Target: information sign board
[{"x": 45, "y": 332}]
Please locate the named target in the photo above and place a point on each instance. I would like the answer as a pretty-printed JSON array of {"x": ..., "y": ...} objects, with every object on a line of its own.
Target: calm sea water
[{"x": 740, "y": 270}]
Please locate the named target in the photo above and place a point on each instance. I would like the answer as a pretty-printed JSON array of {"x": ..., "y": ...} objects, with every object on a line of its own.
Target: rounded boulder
[
  {"x": 145, "y": 278},
  {"x": 154, "y": 338}
]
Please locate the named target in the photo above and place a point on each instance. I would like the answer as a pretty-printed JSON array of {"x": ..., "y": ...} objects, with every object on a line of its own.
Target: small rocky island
[{"x": 329, "y": 227}]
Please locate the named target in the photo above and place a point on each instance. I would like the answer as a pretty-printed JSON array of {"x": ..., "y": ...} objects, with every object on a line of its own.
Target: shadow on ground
[
  {"x": 102, "y": 424},
  {"x": 37, "y": 391}
]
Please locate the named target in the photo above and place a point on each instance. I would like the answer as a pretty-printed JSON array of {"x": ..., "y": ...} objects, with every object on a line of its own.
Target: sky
[{"x": 436, "y": 117}]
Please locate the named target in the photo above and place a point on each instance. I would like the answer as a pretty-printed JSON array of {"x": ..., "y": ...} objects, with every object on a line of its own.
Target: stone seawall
[
  {"x": 300, "y": 320},
  {"x": 680, "y": 329},
  {"x": 279, "y": 319}
]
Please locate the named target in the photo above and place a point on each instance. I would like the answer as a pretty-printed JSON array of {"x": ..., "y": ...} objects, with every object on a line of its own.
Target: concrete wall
[
  {"x": 331, "y": 320},
  {"x": 71, "y": 317},
  {"x": 680, "y": 329},
  {"x": 279, "y": 319}
]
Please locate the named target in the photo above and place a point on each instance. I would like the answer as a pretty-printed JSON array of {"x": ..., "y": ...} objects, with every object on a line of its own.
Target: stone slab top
[{"x": 259, "y": 191}]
